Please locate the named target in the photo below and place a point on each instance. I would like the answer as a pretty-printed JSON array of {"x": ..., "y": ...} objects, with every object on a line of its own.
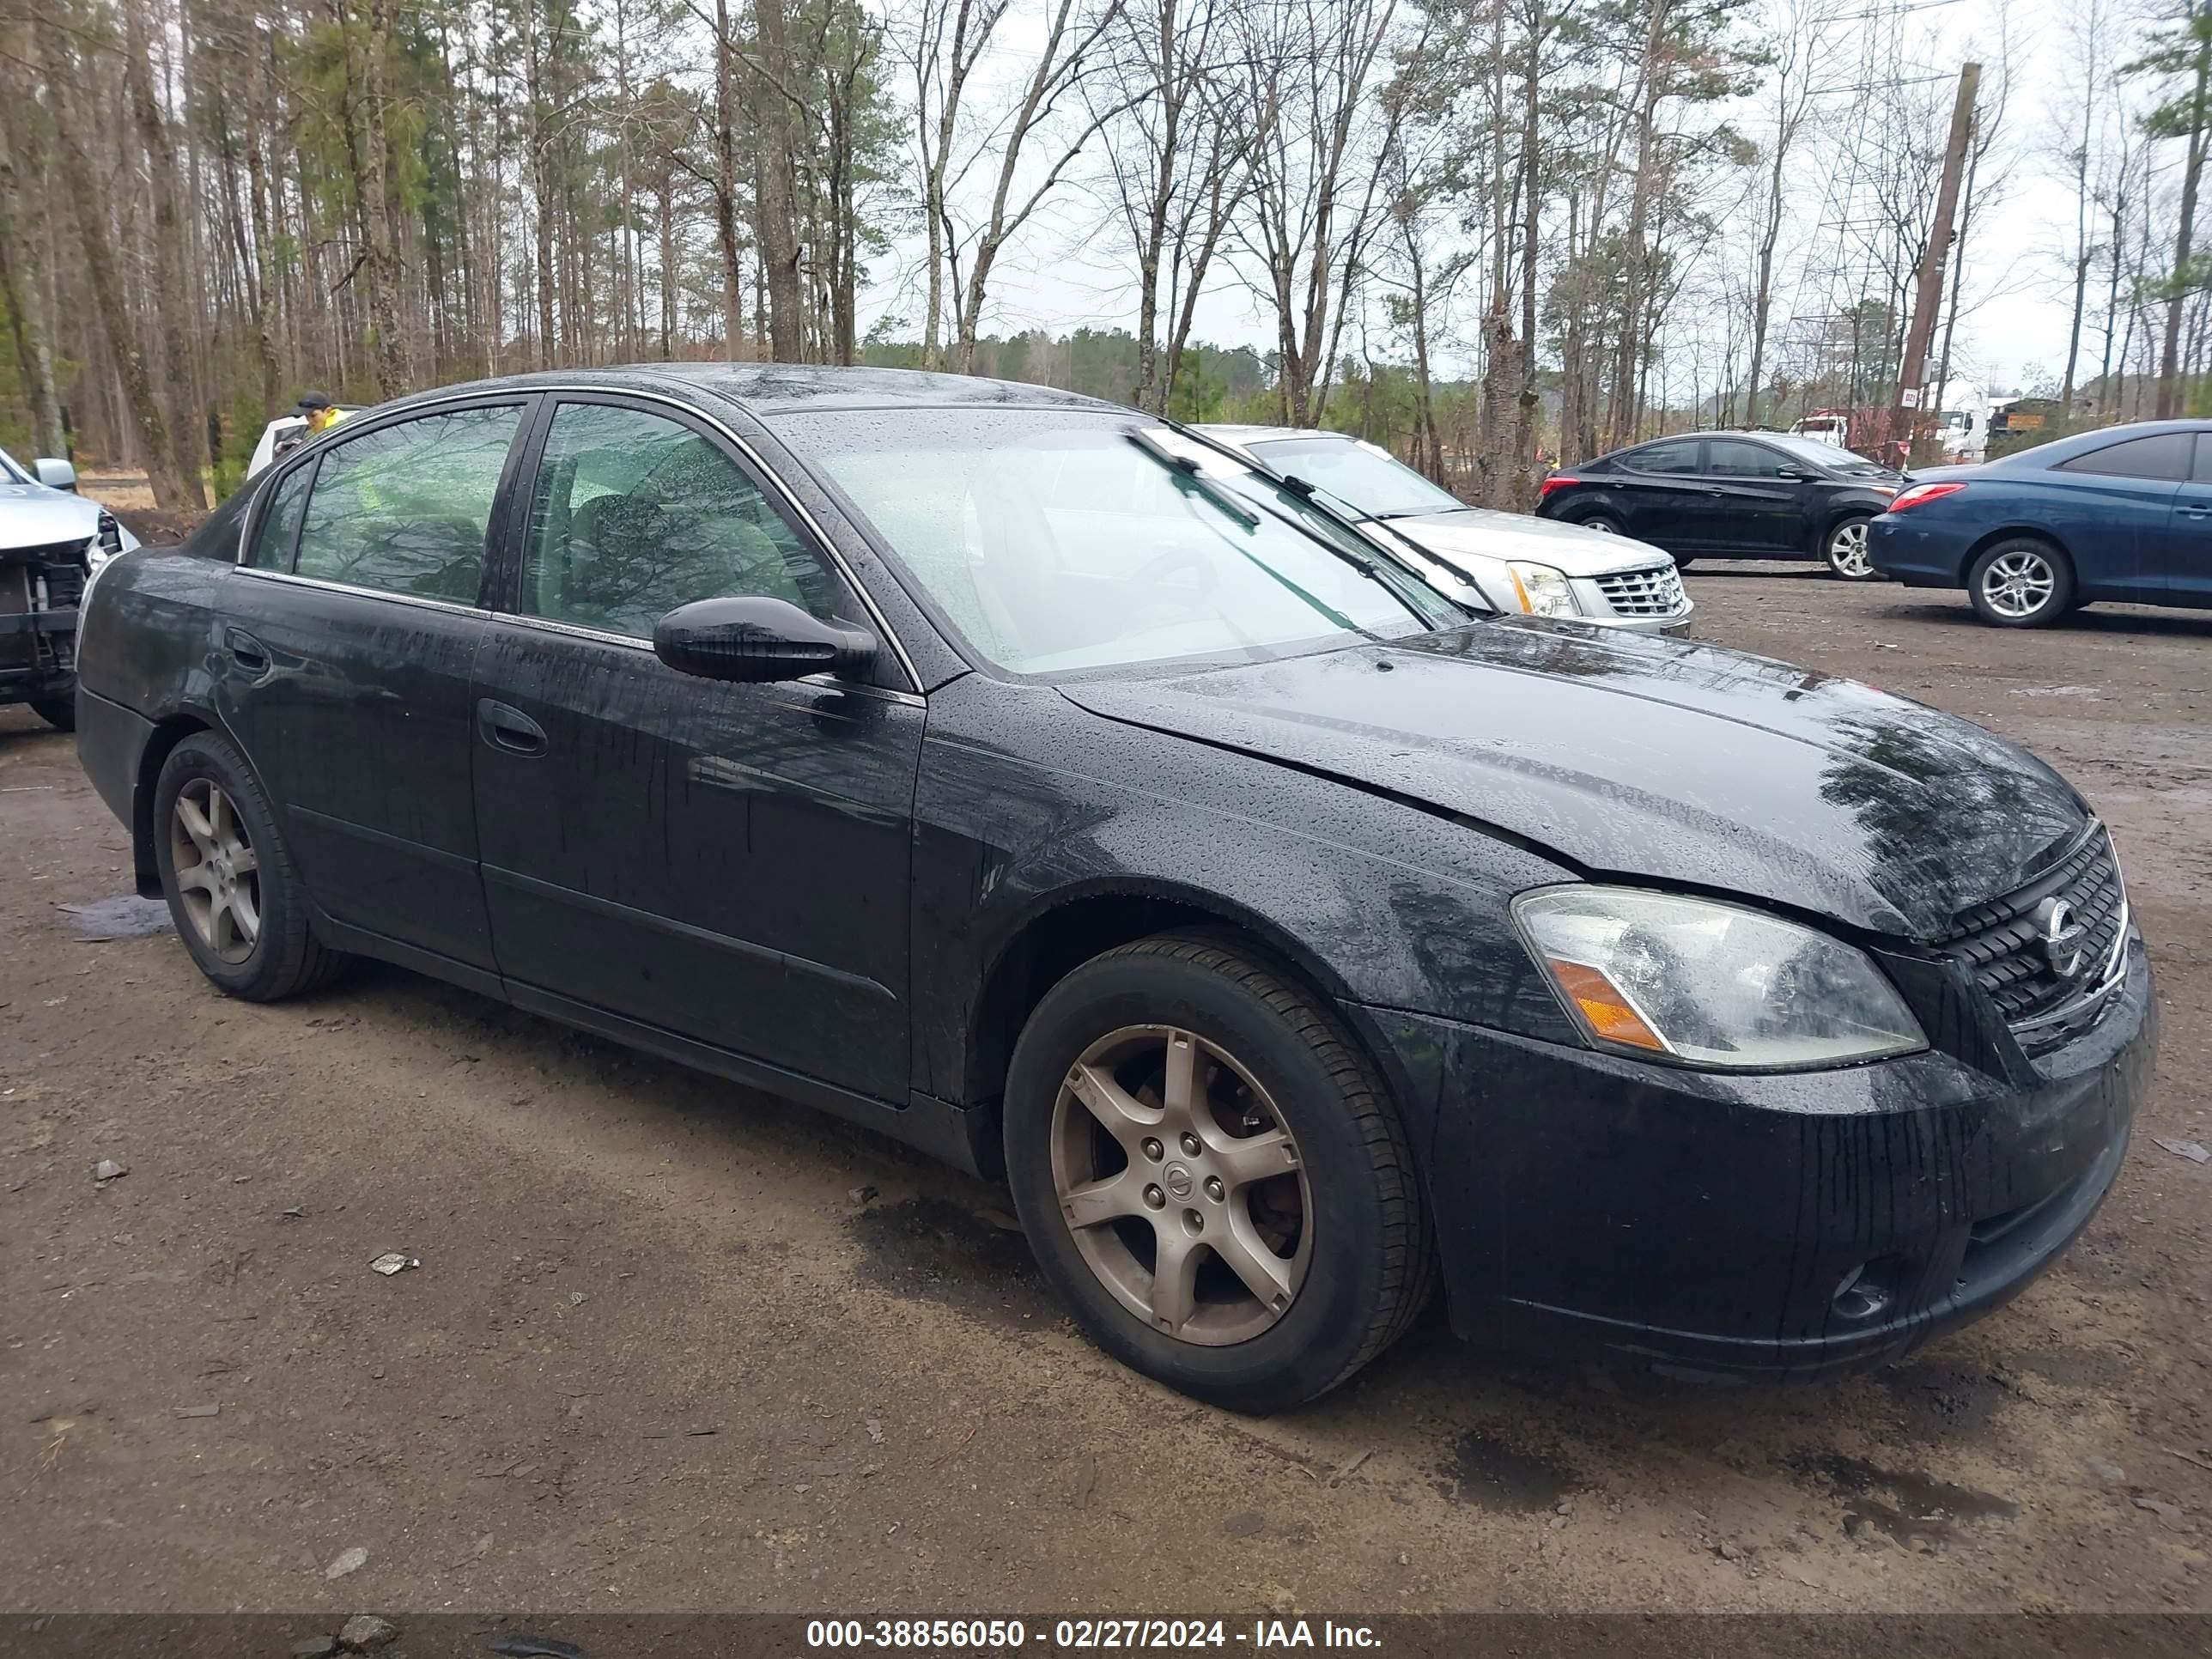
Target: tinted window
[
  {"x": 403, "y": 510},
  {"x": 2203, "y": 473},
  {"x": 2165, "y": 455},
  {"x": 1730, "y": 458},
  {"x": 280, "y": 522},
  {"x": 1663, "y": 458},
  {"x": 635, "y": 514}
]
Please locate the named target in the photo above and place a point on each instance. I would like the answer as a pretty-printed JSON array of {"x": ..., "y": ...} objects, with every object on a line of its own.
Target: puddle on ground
[
  {"x": 124, "y": 916},
  {"x": 929, "y": 1250},
  {"x": 1944, "y": 1404},
  {"x": 1485, "y": 1472},
  {"x": 1927, "y": 1511}
]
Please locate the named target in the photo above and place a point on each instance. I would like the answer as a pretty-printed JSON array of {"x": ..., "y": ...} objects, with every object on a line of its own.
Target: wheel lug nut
[
  {"x": 1190, "y": 1144},
  {"x": 1154, "y": 1198},
  {"x": 1194, "y": 1220},
  {"x": 1214, "y": 1189},
  {"x": 1153, "y": 1149}
]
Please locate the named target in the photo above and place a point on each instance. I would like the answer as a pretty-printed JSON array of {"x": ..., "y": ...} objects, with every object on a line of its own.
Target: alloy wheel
[
  {"x": 1180, "y": 1185},
  {"x": 218, "y": 876},
  {"x": 2019, "y": 584},
  {"x": 1848, "y": 553}
]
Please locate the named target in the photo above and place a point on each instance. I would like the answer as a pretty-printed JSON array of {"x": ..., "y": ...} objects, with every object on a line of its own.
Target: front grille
[
  {"x": 2005, "y": 942},
  {"x": 64, "y": 585},
  {"x": 1656, "y": 591}
]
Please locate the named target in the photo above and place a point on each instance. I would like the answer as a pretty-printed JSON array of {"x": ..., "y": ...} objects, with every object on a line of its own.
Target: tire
[
  {"x": 60, "y": 713},
  {"x": 233, "y": 890},
  {"x": 1845, "y": 550},
  {"x": 2021, "y": 582},
  {"x": 1604, "y": 523},
  {"x": 1301, "y": 1152}
]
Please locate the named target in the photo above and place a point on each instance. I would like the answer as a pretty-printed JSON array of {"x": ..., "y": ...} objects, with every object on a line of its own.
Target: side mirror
[
  {"x": 754, "y": 641},
  {"x": 55, "y": 474}
]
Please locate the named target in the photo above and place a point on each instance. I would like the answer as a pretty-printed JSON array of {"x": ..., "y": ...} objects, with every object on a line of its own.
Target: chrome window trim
[
  {"x": 616, "y": 393},
  {"x": 417, "y": 600}
]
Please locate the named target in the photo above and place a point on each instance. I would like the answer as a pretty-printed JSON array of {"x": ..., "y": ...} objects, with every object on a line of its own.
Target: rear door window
[
  {"x": 403, "y": 510},
  {"x": 2163, "y": 455},
  {"x": 280, "y": 521}
]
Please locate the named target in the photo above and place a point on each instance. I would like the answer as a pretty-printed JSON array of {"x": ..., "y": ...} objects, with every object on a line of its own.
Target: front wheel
[
  {"x": 1211, "y": 1176},
  {"x": 1847, "y": 553},
  {"x": 237, "y": 901},
  {"x": 2021, "y": 583}
]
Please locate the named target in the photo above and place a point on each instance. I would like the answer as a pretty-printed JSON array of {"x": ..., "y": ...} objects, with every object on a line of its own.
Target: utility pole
[{"x": 1927, "y": 281}]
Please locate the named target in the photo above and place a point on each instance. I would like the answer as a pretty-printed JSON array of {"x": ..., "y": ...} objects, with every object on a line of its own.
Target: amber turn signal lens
[{"x": 1611, "y": 1016}]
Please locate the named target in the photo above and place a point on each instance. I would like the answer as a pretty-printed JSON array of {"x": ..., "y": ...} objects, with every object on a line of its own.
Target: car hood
[
  {"x": 1644, "y": 757},
  {"x": 1485, "y": 532},
  {"x": 32, "y": 515}
]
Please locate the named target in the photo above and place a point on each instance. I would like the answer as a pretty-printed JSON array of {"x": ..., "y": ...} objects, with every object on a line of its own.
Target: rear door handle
[
  {"x": 246, "y": 651},
  {"x": 509, "y": 729}
]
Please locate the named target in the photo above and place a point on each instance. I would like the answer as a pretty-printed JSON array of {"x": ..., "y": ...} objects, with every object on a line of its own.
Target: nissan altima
[{"x": 1044, "y": 786}]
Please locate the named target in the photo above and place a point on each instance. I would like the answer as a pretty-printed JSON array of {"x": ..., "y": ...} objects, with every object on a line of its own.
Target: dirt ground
[{"x": 674, "y": 1346}]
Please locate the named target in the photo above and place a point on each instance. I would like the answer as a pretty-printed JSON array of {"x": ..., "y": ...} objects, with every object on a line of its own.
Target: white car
[
  {"x": 1506, "y": 561},
  {"x": 281, "y": 435},
  {"x": 52, "y": 541}
]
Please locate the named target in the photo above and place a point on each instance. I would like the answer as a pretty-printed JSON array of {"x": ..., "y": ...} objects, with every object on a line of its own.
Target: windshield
[
  {"x": 1376, "y": 483},
  {"x": 1832, "y": 456},
  {"x": 1056, "y": 540}
]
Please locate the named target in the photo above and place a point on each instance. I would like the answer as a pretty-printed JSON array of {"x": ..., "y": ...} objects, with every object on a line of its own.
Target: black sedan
[
  {"x": 1045, "y": 787},
  {"x": 2121, "y": 513},
  {"x": 1731, "y": 496}
]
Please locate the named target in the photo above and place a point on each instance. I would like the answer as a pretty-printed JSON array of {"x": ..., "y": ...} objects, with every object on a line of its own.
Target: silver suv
[{"x": 1512, "y": 562}]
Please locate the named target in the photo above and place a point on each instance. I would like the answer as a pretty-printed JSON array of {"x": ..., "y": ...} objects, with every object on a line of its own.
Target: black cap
[{"x": 314, "y": 400}]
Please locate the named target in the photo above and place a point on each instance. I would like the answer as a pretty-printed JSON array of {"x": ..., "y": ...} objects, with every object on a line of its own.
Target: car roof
[{"x": 769, "y": 389}]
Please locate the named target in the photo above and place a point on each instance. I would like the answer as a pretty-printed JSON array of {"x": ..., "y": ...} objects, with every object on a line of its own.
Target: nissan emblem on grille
[{"x": 2062, "y": 935}]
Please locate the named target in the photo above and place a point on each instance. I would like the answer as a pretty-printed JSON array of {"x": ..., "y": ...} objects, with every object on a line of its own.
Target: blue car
[{"x": 2121, "y": 513}]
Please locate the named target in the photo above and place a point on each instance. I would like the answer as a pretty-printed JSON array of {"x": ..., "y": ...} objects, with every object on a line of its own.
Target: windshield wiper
[{"x": 1218, "y": 493}]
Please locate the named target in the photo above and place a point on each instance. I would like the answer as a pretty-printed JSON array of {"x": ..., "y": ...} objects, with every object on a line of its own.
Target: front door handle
[
  {"x": 246, "y": 651},
  {"x": 2197, "y": 512},
  {"x": 509, "y": 729}
]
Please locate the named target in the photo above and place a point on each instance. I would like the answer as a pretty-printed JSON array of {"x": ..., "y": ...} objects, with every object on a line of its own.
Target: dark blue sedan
[{"x": 2121, "y": 513}]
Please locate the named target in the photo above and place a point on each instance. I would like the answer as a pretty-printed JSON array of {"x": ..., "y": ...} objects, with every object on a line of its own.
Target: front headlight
[
  {"x": 1702, "y": 983},
  {"x": 1542, "y": 591}
]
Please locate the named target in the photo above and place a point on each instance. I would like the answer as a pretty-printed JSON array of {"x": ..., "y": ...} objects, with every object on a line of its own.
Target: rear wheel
[
  {"x": 60, "y": 713},
  {"x": 1211, "y": 1176},
  {"x": 237, "y": 901},
  {"x": 1847, "y": 553},
  {"x": 2020, "y": 583},
  {"x": 1604, "y": 524}
]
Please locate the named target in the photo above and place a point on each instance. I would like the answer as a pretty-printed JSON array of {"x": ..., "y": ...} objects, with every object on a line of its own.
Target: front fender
[{"x": 1027, "y": 804}]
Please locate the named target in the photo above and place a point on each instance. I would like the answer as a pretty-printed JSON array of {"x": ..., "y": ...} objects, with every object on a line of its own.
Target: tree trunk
[
  {"x": 168, "y": 259},
  {"x": 256, "y": 190},
  {"x": 776, "y": 210},
  {"x": 171, "y": 491},
  {"x": 2169, "y": 380},
  {"x": 19, "y": 288}
]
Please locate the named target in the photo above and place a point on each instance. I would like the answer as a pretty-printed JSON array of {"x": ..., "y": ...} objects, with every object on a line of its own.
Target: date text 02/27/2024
[{"x": 983, "y": 1636}]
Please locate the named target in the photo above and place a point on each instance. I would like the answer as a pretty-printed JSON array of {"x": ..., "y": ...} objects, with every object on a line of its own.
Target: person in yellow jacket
[{"x": 320, "y": 412}]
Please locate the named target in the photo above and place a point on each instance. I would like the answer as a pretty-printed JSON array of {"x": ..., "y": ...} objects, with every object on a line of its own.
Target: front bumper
[{"x": 1780, "y": 1227}]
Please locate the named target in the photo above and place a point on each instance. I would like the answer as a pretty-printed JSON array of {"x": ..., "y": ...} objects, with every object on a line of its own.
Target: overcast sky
[{"x": 1072, "y": 269}]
